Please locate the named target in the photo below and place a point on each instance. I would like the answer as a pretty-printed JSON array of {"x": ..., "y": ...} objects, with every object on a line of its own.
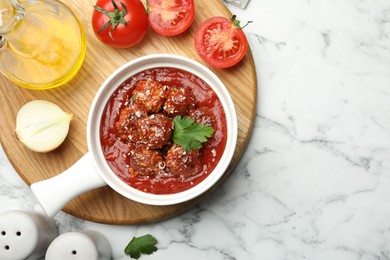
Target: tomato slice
[
  {"x": 170, "y": 17},
  {"x": 221, "y": 42}
]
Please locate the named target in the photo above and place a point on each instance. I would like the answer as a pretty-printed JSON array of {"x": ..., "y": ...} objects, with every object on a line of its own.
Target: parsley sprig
[
  {"x": 141, "y": 245},
  {"x": 190, "y": 135}
]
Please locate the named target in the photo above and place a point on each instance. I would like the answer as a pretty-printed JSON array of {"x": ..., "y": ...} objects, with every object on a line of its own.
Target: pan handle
[{"x": 54, "y": 193}]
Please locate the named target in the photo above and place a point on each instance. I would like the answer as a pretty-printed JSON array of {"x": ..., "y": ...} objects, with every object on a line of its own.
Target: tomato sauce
[{"x": 117, "y": 151}]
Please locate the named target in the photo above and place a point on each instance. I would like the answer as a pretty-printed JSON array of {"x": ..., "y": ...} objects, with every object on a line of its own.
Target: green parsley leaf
[
  {"x": 143, "y": 244},
  {"x": 190, "y": 135}
]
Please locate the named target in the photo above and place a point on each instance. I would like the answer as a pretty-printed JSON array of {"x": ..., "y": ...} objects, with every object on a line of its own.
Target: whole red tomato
[
  {"x": 170, "y": 17},
  {"x": 120, "y": 23},
  {"x": 221, "y": 42}
]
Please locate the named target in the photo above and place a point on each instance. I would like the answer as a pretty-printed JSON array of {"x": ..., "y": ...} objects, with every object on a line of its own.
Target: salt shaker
[
  {"x": 81, "y": 245},
  {"x": 25, "y": 235}
]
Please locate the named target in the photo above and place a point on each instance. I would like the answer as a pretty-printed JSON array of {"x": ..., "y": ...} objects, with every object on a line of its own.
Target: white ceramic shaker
[
  {"x": 25, "y": 235},
  {"x": 81, "y": 245}
]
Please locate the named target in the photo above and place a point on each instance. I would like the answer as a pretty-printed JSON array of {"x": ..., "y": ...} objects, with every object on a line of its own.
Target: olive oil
[{"x": 45, "y": 48}]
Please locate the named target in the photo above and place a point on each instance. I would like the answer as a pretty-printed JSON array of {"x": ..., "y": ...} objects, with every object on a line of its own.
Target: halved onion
[{"x": 42, "y": 126}]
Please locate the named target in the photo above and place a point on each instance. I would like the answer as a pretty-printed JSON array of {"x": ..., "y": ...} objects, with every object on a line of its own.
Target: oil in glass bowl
[{"x": 42, "y": 43}]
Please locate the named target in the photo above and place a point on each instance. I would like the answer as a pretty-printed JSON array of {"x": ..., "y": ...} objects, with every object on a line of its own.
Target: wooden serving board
[{"x": 104, "y": 205}]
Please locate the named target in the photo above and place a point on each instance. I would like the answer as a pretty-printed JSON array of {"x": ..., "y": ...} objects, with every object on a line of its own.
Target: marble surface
[{"x": 314, "y": 182}]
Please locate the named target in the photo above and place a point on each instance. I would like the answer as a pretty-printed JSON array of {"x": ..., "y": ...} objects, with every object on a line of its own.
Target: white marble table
[{"x": 314, "y": 182}]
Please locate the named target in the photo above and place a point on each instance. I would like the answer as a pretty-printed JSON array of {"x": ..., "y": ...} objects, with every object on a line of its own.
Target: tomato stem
[
  {"x": 147, "y": 7},
  {"x": 236, "y": 23},
  {"x": 116, "y": 17}
]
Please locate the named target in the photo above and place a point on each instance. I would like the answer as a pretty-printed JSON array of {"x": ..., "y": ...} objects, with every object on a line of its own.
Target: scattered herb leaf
[
  {"x": 190, "y": 135},
  {"x": 141, "y": 245}
]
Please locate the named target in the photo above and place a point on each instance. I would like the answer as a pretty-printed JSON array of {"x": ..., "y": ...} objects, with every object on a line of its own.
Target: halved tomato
[
  {"x": 221, "y": 42},
  {"x": 170, "y": 17}
]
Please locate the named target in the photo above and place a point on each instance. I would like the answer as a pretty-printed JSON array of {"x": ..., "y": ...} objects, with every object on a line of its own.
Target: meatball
[
  {"x": 151, "y": 94},
  {"x": 155, "y": 130},
  {"x": 145, "y": 161},
  {"x": 204, "y": 116},
  {"x": 125, "y": 125},
  {"x": 179, "y": 101},
  {"x": 182, "y": 163}
]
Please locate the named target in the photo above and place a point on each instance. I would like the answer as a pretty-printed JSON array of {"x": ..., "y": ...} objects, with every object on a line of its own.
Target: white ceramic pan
[{"x": 92, "y": 170}]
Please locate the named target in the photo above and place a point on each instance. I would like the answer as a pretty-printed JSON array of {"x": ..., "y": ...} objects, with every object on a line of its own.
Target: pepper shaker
[
  {"x": 25, "y": 235},
  {"x": 81, "y": 245}
]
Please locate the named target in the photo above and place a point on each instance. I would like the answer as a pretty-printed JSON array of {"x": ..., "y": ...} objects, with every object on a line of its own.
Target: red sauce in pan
[{"x": 120, "y": 152}]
